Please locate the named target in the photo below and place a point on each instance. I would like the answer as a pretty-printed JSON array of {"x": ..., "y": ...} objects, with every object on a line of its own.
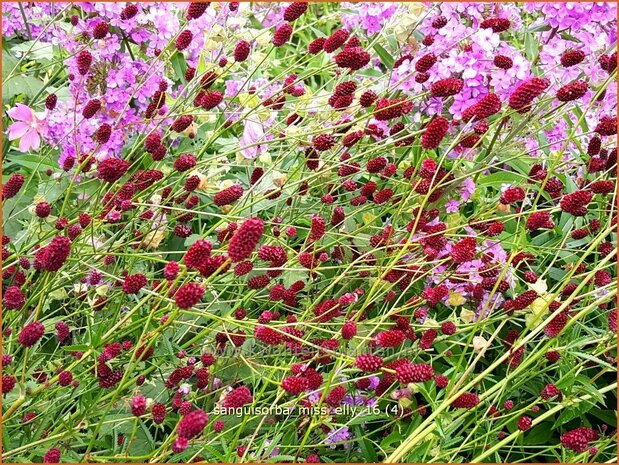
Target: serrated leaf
[
  {"x": 573, "y": 412},
  {"x": 594, "y": 359},
  {"x": 393, "y": 437}
]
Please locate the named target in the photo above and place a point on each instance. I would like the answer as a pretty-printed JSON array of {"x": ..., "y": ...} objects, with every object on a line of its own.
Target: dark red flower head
[
  {"x": 245, "y": 239},
  {"x": 192, "y": 424},
  {"x": 294, "y": 11},
  {"x": 282, "y": 35},
  {"x": 112, "y": 169},
  {"x": 523, "y": 96},
  {"x": 31, "y": 333}
]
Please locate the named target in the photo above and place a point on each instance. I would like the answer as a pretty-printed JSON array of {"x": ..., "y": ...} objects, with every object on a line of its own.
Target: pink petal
[
  {"x": 17, "y": 130},
  {"x": 21, "y": 113},
  {"x": 30, "y": 141}
]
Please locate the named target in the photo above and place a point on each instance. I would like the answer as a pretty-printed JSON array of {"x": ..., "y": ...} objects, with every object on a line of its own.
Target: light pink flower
[
  {"x": 253, "y": 132},
  {"x": 28, "y": 127}
]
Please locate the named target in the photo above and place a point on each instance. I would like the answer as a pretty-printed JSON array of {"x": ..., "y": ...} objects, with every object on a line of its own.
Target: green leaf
[
  {"x": 385, "y": 57},
  {"x": 596, "y": 360},
  {"x": 366, "y": 446},
  {"x": 607, "y": 416},
  {"x": 542, "y": 28},
  {"x": 281, "y": 458},
  {"x": 76, "y": 348},
  {"x": 573, "y": 412},
  {"x": 26, "y": 85},
  {"x": 119, "y": 422},
  {"x": 530, "y": 46},
  {"x": 27, "y": 160},
  {"x": 540, "y": 434},
  {"x": 179, "y": 64},
  {"x": 365, "y": 418},
  {"x": 9, "y": 62},
  {"x": 38, "y": 51},
  {"x": 142, "y": 444},
  {"x": 504, "y": 177},
  {"x": 571, "y": 38},
  {"x": 394, "y": 437}
]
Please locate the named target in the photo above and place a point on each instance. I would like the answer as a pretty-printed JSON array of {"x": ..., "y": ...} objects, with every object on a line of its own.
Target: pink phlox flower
[{"x": 28, "y": 127}]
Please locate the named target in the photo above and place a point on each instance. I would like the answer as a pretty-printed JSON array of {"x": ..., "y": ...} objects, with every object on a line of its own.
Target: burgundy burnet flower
[
  {"x": 294, "y": 384},
  {"x": 572, "y": 91},
  {"x": 503, "y": 62},
  {"x": 158, "y": 413},
  {"x": 192, "y": 424},
  {"x": 241, "y": 51},
  {"x": 387, "y": 109},
  {"x": 196, "y": 9},
  {"x": 446, "y": 87},
  {"x": 525, "y": 423},
  {"x": 414, "y": 373},
  {"x": 84, "y": 60},
  {"x": 188, "y": 295},
  {"x": 522, "y": 97},
  {"x": 572, "y": 58},
  {"x": 607, "y": 126},
  {"x": 282, "y": 35},
  {"x": 578, "y": 439},
  {"x": 425, "y": 63},
  {"x": 464, "y": 250},
  {"x": 185, "y": 162},
  {"x": 353, "y": 58},
  {"x": 467, "y": 400},
  {"x": 390, "y": 338},
  {"x": 198, "y": 254},
  {"x": 484, "y": 108},
  {"x": 368, "y": 363},
  {"x": 8, "y": 383},
  {"x": 100, "y": 30},
  {"x": 181, "y": 123},
  {"x": 539, "y": 220},
  {"x": 103, "y": 133},
  {"x": 91, "y": 108},
  {"x": 316, "y": 46},
  {"x": 50, "y": 101},
  {"x": 335, "y": 40},
  {"x": 367, "y": 99},
  {"x": 52, "y": 456},
  {"x": 245, "y": 239},
  {"x": 228, "y": 195},
  {"x": 294, "y": 11},
  {"x": 53, "y": 256},
  {"x": 112, "y": 169},
  {"x": 133, "y": 283},
  {"x": 129, "y": 12},
  {"x": 497, "y": 25},
  {"x": 13, "y": 298},
  {"x": 576, "y": 203},
  {"x": 434, "y": 133},
  {"x": 184, "y": 39},
  {"x": 31, "y": 333},
  {"x": 12, "y": 186},
  {"x": 237, "y": 398},
  {"x": 138, "y": 405}
]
